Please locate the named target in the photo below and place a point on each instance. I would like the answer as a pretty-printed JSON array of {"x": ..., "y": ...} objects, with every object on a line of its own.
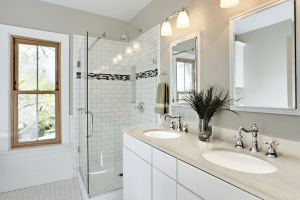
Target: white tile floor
[{"x": 60, "y": 190}]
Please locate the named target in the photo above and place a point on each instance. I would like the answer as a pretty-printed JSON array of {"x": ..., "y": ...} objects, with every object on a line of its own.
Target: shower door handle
[
  {"x": 92, "y": 124},
  {"x": 82, "y": 111}
]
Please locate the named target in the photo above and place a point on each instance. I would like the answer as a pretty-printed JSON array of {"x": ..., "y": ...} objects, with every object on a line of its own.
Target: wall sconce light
[
  {"x": 183, "y": 21},
  {"x": 229, "y": 3}
]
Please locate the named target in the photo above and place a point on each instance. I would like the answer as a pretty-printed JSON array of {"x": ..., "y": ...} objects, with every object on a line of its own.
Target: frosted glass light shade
[
  {"x": 120, "y": 57},
  {"x": 129, "y": 50},
  {"x": 115, "y": 60},
  {"x": 183, "y": 20},
  {"x": 229, "y": 3},
  {"x": 166, "y": 29},
  {"x": 136, "y": 46}
]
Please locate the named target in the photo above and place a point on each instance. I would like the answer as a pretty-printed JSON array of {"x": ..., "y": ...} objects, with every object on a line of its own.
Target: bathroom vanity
[{"x": 175, "y": 168}]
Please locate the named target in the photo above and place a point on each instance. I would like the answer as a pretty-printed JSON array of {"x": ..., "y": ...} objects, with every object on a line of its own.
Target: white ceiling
[
  {"x": 265, "y": 18},
  {"x": 119, "y": 9}
]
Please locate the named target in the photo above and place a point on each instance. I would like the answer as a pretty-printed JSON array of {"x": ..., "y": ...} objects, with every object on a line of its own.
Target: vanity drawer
[
  {"x": 165, "y": 163},
  {"x": 140, "y": 148},
  {"x": 208, "y": 186}
]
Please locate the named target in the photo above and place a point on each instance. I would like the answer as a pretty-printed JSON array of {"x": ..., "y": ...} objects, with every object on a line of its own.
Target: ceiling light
[
  {"x": 129, "y": 50},
  {"x": 120, "y": 57},
  {"x": 166, "y": 29},
  {"x": 115, "y": 60},
  {"x": 229, "y": 3},
  {"x": 136, "y": 46},
  {"x": 183, "y": 20}
]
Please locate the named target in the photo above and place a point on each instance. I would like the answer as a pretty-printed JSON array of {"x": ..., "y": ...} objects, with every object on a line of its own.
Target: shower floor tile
[{"x": 60, "y": 190}]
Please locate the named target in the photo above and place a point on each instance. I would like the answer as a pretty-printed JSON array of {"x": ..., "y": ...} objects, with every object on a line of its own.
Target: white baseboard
[{"x": 23, "y": 182}]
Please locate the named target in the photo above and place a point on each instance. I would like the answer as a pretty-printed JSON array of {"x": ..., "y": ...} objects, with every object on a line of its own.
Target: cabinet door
[
  {"x": 164, "y": 188},
  {"x": 137, "y": 177},
  {"x": 184, "y": 194}
]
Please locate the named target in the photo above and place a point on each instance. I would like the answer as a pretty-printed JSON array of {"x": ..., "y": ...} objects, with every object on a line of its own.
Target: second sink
[{"x": 239, "y": 162}]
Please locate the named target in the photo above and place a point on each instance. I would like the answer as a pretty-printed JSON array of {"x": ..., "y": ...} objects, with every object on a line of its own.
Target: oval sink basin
[
  {"x": 239, "y": 162},
  {"x": 162, "y": 134}
]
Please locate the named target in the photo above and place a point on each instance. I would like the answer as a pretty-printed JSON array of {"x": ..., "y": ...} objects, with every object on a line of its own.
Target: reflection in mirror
[
  {"x": 264, "y": 58},
  {"x": 183, "y": 68}
]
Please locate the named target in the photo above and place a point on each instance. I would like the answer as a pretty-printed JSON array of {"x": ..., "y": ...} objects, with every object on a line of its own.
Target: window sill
[{"x": 38, "y": 150}]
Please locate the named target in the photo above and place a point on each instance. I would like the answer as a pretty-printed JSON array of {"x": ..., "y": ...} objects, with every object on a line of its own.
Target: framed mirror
[
  {"x": 184, "y": 67},
  {"x": 263, "y": 59}
]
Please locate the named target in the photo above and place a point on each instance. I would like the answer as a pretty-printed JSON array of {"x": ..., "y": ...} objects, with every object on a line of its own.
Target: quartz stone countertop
[{"x": 283, "y": 184}]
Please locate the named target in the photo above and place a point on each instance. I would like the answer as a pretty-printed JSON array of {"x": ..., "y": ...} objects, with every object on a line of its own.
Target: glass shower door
[{"x": 83, "y": 113}]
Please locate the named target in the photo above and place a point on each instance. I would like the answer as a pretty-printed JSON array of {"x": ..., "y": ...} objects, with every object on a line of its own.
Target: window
[
  {"x": 185, "y": 77},
  {"x": 35, "y": 92}
]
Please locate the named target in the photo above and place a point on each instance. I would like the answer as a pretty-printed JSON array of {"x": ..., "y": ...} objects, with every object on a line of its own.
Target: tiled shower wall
[
  {"x": 148, "y": 58},
  {"x": 109, "y": 100}
]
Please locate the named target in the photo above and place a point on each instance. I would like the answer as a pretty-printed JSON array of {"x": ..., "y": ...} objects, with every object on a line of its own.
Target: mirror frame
[
  {"x": 267, "y": 5},
  {"x": 198, "y": 65}
]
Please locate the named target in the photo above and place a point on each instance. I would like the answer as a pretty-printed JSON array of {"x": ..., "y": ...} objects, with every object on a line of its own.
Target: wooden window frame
[{"x": 15, "y": 40}]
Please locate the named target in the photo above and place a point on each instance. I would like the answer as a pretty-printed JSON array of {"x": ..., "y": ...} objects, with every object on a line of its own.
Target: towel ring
[{"x": 164, "y": 74}]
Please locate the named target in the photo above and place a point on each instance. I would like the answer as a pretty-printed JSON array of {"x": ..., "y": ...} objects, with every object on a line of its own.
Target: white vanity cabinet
[
  {"x": 164, "y": 187},
  {"x": 185, "y": 194},
  {"x": 151, "y": 174}
]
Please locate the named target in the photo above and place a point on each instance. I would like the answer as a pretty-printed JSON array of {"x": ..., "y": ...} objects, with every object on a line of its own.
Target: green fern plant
[{"x": 209, "y": 102}]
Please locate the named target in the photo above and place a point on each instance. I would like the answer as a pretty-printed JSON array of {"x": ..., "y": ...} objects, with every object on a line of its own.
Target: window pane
[
  {"x": 27, "y": 122},
  {"x": 180, "y": 76},
  {"x": 27, "y": 67},
  {"x": 188, "y": 76},
  {"x": 46, "y": 116},
  {"x": 46, "y": 68}
]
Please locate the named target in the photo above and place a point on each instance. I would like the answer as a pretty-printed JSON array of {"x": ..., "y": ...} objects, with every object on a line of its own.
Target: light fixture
[
  {"x": 115, "y": 61},
  {"x": 228, "y": 3},
  {"x": 136, "y": 46},
  {"x": 183, "y": 21},
  {"x": 166, "y": 29},
  {"x": 129, "y": 50},
  {"x": 120, "y": 57}
]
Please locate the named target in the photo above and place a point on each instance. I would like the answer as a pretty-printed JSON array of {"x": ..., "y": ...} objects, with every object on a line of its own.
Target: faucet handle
[
  {"x": 254, "y": 127},
  {"x": 271, "y": 152}
]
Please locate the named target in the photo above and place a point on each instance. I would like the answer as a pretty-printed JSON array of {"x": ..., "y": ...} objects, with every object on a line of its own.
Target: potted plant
[{"x": 208, "y": 103}]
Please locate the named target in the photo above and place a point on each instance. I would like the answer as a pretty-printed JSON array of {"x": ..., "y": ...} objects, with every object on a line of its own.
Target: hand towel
[{"x": 162, "y": 99}]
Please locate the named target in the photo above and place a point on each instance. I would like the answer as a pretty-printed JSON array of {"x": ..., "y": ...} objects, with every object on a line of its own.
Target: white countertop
[{"x": 283, "y": 184}]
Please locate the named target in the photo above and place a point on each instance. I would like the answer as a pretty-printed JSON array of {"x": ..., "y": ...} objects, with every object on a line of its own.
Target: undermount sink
[
  {"x": 239, "y": 162},
  {"x": 162, "y": 134}
]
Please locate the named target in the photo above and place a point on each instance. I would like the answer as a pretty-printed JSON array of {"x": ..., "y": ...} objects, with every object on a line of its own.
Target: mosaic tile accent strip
[
  {"x": 112, "y": 77},
  {"x": 147, "y": 74},
  {"x": 120, "y": 77}
]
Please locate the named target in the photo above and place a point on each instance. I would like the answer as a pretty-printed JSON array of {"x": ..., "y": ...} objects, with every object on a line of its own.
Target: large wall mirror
[
  {"x": 184, "y": 67},
  {"x": 263, "y": 70}
]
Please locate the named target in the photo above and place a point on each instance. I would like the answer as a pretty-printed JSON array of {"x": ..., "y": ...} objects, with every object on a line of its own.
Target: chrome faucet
[
  {"x": 239, "y": 136},
  {"x": 179, "y": 117}
]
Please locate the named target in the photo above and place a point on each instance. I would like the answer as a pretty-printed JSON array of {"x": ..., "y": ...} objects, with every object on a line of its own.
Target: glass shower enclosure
[{"x": 115, "y": 76}]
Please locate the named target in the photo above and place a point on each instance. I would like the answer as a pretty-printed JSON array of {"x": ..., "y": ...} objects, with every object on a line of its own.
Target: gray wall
[
  {"x": 207, "y": 16},
  {"x": 265, "y": 66},
  {"x": 44, "y": 16}
]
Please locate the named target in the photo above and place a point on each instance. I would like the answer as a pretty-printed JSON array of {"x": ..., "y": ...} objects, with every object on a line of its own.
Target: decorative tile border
[
  {"x": 120, "y": 77},
  {"x": 147, "y": 74}
]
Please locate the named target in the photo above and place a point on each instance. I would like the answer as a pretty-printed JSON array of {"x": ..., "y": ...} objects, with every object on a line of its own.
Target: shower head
[{"x": 125, "y": 36}]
